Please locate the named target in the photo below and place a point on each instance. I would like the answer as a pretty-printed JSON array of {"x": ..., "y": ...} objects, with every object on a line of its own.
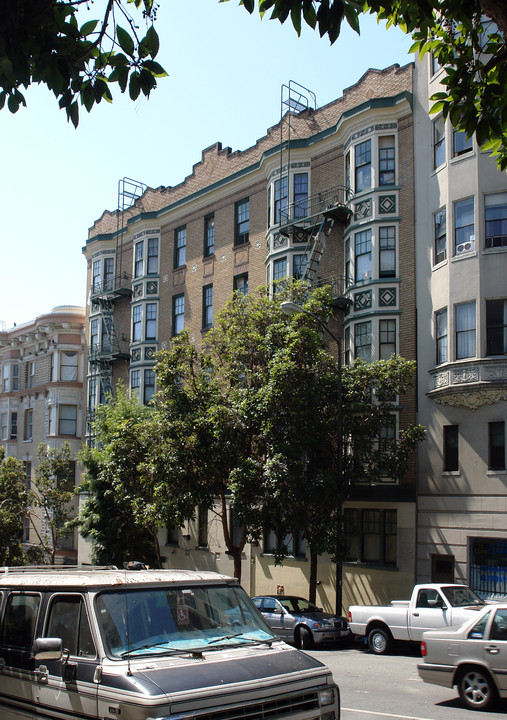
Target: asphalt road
[{"x": 388, "y": 687}]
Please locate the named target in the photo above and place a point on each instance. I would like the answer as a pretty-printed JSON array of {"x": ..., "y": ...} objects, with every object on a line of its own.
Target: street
[{"x": 375, "y": 687}]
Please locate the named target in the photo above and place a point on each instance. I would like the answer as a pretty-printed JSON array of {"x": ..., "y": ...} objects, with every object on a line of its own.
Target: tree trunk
[{"x": 314, "y": 559}]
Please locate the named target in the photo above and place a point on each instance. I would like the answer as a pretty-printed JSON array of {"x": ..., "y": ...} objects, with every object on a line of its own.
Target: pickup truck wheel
[
  {"x": 476, "y": 688},
  {"x": 305, "y": 639},
  {"x": 379, "y": 641}
]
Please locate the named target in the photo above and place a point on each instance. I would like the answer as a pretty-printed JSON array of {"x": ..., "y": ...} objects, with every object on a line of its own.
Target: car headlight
[{"x": 326, "y": 697}]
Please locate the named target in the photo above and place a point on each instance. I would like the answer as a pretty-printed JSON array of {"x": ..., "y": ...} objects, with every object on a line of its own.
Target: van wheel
[
  {"x": 476, "y": 689},
  {"x": 379, "y": 641},
  {"x": 305, "y": 639}
]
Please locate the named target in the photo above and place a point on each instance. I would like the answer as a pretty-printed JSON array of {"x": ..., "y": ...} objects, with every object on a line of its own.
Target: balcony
[
  {"x": 469, "y": 383},
  {"x": 305, "y": 214},
  {"x": 105, "y": 352},
  {"x": 112, "y": 288}
]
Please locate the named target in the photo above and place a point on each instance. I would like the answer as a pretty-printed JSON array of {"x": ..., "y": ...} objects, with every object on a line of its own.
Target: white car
[{"x": 473, "y": 657}]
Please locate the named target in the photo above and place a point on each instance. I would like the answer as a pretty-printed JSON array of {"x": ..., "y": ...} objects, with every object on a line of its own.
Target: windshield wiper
[
  {"x": 254, "y": 641},
  {"x": 167, "y": 651}
]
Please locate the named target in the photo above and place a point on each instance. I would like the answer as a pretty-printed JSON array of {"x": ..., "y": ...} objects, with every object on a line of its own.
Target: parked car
[
  {"x": 431, "y": 606},
  {"x": 473, "y": 657},
  {"x": 137, "y": 644},
  {"x": 300, "y": 622}
]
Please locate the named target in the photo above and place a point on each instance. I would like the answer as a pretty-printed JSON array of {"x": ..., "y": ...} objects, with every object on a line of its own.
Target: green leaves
[
  {"x": 467, "y": 37},
  {"x": 42, "y": 43}
]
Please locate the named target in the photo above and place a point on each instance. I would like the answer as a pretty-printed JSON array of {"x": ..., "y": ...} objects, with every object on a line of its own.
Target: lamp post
[{"x": 291, "y": 308}]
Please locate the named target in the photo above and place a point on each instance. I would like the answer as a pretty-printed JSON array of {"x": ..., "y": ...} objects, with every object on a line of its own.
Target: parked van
[{"x": 84, "y": 643}]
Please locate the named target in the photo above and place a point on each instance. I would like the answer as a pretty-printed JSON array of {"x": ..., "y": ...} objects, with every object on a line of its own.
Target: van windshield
[{"x": 162, "y": 620}]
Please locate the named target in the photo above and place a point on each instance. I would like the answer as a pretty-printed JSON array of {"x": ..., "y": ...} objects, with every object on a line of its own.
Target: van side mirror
[{"x": 47, "y": 649}]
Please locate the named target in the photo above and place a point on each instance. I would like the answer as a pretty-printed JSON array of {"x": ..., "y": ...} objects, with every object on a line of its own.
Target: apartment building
[
  {"x": 461, "y": 260},
  {"x": 42, "y": 376},
  {"x": 327, "y": 194}
]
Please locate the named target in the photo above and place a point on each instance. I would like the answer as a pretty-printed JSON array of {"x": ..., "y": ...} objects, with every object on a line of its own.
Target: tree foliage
[
  {"x": 253, "y": 421},
  {"x": 14, "y": 503},
  {"x": 467, "y": 37},
  {"x": 250, "y": 419},
  {"x": 52, "y": 498},
  {"x": 45, "y": 42},
  {"x": 127, "y": 475}
]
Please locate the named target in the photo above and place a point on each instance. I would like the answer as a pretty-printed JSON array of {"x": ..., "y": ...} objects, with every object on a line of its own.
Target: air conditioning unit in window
[{"x": 464, "y": 247}]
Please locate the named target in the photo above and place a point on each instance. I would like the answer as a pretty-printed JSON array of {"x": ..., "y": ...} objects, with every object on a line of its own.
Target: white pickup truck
[{"x": 432, "y": 606}]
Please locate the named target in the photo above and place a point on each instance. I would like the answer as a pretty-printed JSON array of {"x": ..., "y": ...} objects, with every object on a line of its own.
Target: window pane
[
  {"x": 178, "y": 313},
  {"x": 441, "y": 335},
  {"x": 67, "y": 420},
  {"x": 363, "y": 165},
  {"x": 387, "y": 248},
  {"x": 363, "y": 255},
  {"x": 300, "y": 195},
  {"x": 180, "y": 247},
  {"x": 461, "y": 144},
  {"x": 209, "y": 235},
  {"x": 68, "y": 369},
  {"x": 438, "y": 142},
  {"x": 464, "y": 238},
  {"x": 152, "y": 268},
  {"x": 495, "y": 208},
  {"x": 465, "y": 330},
  {"x": 386, "y": 160},
  {"x": 242, "y": 222},
  {"x": 496, "y": 327},
  {"x": 151, "y": 321},
  {"x": 362, "y": 341},
  {"x": 440, "y": 236},
  {"x": 451, "y": 459},
  {"x": 496, "y": 445}
]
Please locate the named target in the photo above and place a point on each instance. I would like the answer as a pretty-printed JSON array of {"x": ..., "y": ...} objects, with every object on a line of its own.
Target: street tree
[
  {"x": 14, "y": 504},
  {"x": 126, "y": 479},
  {"x": 55, "y": 43},
  {"x": 52, "y": 498},
  {"x": 250, "y": 417},
  {"x": 253, "y": 420},
  {"x": 468, "y": 39}
]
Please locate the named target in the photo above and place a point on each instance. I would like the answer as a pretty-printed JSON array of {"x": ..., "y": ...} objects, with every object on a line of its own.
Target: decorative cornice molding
[{"x": 472, "y": 400}]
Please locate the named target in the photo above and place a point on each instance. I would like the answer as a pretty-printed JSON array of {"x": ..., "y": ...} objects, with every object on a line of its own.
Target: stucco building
[{"x": 461, "y": 260}]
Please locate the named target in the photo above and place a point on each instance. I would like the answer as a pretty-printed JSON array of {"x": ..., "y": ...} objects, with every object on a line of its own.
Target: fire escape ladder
[{"x": 316, "y": 246}]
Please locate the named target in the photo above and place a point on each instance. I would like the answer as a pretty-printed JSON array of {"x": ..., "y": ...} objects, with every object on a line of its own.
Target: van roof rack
[{"x": 55, "y": 568}]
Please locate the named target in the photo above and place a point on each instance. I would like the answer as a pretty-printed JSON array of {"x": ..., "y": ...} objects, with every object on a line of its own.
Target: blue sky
[{"x": 226, "y": 69}]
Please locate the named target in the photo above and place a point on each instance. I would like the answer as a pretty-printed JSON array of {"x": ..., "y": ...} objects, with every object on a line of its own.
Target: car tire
[
  {"x": 476, "y": 688},
  {"x": 379, "y": 641},
  {"x": 305, "y": 638}
]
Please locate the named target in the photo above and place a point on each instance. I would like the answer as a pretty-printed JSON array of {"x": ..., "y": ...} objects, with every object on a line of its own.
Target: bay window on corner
[{"x": 288, "y": 198}]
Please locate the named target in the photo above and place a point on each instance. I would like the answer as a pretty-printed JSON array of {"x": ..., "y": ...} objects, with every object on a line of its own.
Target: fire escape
[
  {"x": 106, "y": 295},
  {"x": 308, "y": 222}
]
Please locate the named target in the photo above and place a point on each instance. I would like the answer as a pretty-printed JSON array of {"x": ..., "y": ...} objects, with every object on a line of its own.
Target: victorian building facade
[{"x": 43, "y": 376}]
